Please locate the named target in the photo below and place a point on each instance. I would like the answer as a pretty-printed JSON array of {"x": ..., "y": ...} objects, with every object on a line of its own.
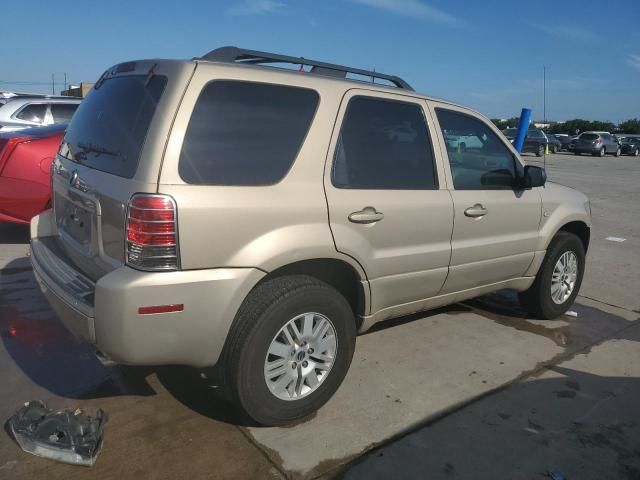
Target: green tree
[{"x": 630, "y": 126}]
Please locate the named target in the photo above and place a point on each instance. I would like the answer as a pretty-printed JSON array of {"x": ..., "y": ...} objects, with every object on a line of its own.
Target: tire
[
  {"x": 636, "y": 152},
  {"x": 555, "y": 149},
  {"x": 540, "y": 151},
  {"x": 600, "y": 153},
  {"x": 618, "y": 152},
  {"x": 259, "y": 323},
  {"x": 537, "y": 300}
]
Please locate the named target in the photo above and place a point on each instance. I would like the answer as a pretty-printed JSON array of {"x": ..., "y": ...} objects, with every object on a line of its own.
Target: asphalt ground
[{"x": 474, "y": 390}]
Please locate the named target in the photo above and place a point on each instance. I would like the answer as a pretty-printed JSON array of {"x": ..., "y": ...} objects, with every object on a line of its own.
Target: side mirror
[{"x": 534, "y": 176}]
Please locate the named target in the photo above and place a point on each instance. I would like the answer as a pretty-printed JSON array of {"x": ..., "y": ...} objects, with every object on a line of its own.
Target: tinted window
[
  {"x": 33, "y": 113},
  {"x": 62, "y": 112},
  {"x": 110, "y": 125},
  {"x": 534, "y": 134},
  {"x": 244, "y": 133},
  {"x": 588, "y": 136},
  {"x": 485, "y": 162},
  {"x": 383, "y": 145},
  {"x": 510, "y": 132}
]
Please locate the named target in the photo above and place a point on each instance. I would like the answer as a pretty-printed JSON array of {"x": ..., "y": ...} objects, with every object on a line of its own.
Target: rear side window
[
  {"x": 383, "y": 144},
  {"x": 109, "y": 127},
  {"x": 33, "y": 113},
  {"x": 62, "y": 112},
  {"x": 245, "y": 133}
]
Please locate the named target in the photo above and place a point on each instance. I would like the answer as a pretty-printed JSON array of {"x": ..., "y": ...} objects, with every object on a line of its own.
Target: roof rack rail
[{"x": 254, "y": 57}]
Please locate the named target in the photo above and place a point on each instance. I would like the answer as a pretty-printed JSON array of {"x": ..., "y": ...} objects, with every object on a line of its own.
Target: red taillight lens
[
  {"x": 7, "y": 146},
  {"x": 152, "y": 236}
]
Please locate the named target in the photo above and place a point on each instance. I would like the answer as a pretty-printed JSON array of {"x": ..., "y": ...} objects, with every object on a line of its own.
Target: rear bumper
[
  {"x": 108, "y": 317},
  {"x": 580, "y": 149}
]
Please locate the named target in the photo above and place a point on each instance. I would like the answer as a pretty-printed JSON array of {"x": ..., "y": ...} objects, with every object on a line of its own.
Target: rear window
[
  {"x": 245, "y": 133},
  {"x": 509, "y": 132},
  {"x": 110, "y": 125},
  {"x": 588, "y": 136},
  {"x": 62, "y": 112}
]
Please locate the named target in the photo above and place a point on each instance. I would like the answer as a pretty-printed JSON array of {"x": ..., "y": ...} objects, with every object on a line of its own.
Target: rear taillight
[
  {"x": 152, "y": 233},
  {"x": 7, "y": 146}
]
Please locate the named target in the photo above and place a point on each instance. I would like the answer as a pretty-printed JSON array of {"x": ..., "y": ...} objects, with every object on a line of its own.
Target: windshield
[
  {"x": 630, "y": 139},
  {"x": 109, "y": 128},
  {"x": 510, "y": 132}
]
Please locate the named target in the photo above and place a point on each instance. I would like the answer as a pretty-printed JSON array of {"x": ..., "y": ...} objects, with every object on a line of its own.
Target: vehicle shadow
[{"x": 13, "y": 233}]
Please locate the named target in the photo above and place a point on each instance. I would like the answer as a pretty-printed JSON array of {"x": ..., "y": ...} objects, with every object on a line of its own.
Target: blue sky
[{"x": 487, "y": 54}]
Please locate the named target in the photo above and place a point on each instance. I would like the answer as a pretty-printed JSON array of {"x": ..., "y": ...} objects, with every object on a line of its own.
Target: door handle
[
  {"x": 366, "y": 215},
  {"x": 476, "y": 211}
]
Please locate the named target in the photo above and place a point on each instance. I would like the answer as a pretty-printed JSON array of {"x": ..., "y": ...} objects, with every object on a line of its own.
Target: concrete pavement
[{"x": 408, "y": 377}]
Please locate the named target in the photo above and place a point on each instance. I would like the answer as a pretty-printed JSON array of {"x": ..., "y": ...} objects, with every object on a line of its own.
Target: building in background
[{"x": 81, "y": 90}]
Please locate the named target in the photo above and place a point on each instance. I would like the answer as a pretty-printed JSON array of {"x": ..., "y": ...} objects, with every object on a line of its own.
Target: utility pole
[
  {"x": 53, "y": 84},
  {"x": 65, "y": 81},
  {"x": 544, "y": 93}
]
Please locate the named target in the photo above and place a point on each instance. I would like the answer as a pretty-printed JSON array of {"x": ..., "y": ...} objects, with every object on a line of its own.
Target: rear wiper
[{"x": 90, "y": 148}]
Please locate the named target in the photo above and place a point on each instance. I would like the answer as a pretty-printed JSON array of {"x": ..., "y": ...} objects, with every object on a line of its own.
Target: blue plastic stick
[{"x": 523, "y": 127}]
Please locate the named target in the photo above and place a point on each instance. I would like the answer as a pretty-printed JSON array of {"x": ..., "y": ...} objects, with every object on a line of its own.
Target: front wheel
[
  {"x": 636, "y": 152},
  {"x": 558, "y": 280},
  {"x": 289, "y": 349},
  {"x": 618, "y": 152},
  {"x": 555, "y": 149},
  {"x": 540, "y": 151}
]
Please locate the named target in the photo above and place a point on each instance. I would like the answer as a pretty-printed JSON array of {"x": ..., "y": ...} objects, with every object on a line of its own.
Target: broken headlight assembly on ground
[{"x": 64, "y": 435}]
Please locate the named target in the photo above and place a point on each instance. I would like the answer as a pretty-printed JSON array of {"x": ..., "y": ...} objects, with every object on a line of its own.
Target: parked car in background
[
  {"x": 564, "y": 139},
  {"x": 462, "y": 141},
  {"x": 630, "y": 145},
  {"x": 535, "y": 141},
  {"x": 35, "y": 111},
  {"x": 555, "y": 145},
  {"x": 597, "y": 144},
  {"x": 25, "y": 163}
]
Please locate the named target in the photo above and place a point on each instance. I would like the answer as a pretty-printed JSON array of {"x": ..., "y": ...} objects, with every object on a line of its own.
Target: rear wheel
[
  {"x": 558, "y": 280},
  {"x": 289, "y": 349},
  {"x": 555, "y": 149},
  {"x": 636, "y": 152},
  {"x": 618, "y": 152},
  {"x": 600, "y": 153}
]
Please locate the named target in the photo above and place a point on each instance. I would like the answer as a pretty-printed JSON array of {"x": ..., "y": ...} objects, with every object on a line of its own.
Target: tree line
[{"x": 578, "y": 124}]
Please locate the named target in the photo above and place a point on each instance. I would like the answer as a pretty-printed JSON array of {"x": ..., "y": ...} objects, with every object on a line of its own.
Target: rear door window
[
  {"x": 33, "y": 113},
  {"x": 62, "y": 112},
  {"x": 110, "y": 126},
  {"x": 384, "y": 144},
  {"x": 245, "y": 133}
]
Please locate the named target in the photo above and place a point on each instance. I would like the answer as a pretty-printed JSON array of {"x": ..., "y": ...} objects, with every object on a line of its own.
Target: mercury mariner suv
[{"x": 253, "y": 212}]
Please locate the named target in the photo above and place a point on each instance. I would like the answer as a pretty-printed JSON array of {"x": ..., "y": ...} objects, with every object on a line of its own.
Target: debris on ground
[
  {"x": 571, "y": 313},
  {"x": 65, "y": 435}
]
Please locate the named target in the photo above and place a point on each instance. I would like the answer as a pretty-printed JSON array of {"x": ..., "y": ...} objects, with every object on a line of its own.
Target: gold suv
[{"x": 224, "y": 211}]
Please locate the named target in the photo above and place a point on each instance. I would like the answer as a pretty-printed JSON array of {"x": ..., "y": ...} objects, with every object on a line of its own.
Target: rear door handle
[
  {"x": 476, "y": 211},
  {"x": 366, "y": 215}
]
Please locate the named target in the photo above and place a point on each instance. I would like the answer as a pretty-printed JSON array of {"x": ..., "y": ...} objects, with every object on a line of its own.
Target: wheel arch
[
  {"x": 579, "y": 229},
  {"x": 340, "y": 274}
]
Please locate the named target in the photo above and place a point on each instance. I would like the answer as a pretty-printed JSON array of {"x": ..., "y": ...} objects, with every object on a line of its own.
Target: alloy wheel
[
  {"x": 300, "y": 356},
  {"x": 563, "y": 278}
]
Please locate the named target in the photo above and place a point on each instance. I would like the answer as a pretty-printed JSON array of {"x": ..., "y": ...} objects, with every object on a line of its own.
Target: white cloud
[
  {"x": 634, "y": 61},
  {"x": 413, "y": 8},
  {"x": 254, "y": 7},
  {"x": 568, "y": 32}
]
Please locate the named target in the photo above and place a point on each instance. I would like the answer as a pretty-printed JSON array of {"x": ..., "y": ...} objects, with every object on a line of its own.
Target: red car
[{"x": 25, "y": 161}]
